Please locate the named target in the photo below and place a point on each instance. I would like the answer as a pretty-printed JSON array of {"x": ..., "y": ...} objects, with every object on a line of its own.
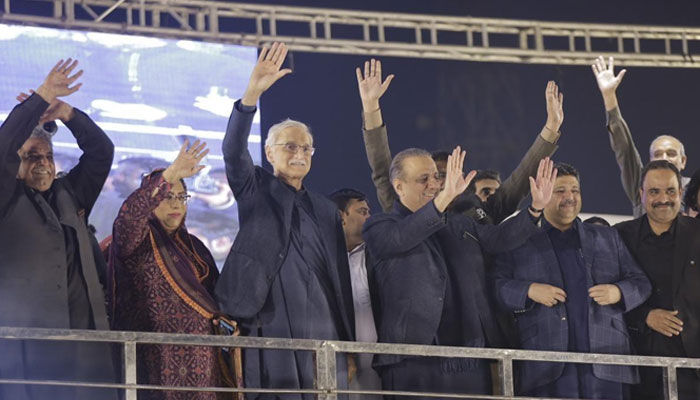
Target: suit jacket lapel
[{"x": 544, "y": 245}]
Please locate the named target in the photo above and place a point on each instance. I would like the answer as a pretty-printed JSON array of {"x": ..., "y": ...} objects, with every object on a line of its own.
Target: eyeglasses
[
  {"x": 36, "y": 157},
  {"x": 181, "y": 198},
  {"x": 294, "y": 148}
]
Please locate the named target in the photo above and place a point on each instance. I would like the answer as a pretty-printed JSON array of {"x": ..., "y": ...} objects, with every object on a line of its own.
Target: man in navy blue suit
[
  {"x": 428, "y": 273},
  {"x": 569, "y": 287}
]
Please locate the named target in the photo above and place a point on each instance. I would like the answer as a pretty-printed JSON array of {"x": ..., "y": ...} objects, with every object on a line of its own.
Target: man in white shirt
[{"x": 354, "y": 210}]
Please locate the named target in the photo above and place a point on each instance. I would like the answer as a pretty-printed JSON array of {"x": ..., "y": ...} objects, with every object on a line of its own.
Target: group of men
[{"x": 445, "y": 264}]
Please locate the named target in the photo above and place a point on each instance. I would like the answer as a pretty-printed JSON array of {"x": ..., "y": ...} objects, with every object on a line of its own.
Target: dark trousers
[
  {"x": 578, "y": 382},
  {"x": 438, "y": 375}
]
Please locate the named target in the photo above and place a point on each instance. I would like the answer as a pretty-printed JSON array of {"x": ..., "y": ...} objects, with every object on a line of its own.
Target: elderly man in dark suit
[
  {"x": 667, "y": 246},
  {"x": 428, "y": 272},
  {"x": 48, "y": 277},
  {"x": 569, "y": 287},
  {"x": 287, "y": 274}
]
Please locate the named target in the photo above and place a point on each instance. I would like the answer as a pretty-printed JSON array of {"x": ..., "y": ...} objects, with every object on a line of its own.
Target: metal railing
[
  {"x": 325, "y": 353},
  {"x": 327, "y": 30}
]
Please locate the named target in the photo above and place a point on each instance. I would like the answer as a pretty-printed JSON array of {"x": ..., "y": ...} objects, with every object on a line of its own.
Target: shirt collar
[
  {"x": 360, "y": 247},
  {"x": 646, "y": 230}
]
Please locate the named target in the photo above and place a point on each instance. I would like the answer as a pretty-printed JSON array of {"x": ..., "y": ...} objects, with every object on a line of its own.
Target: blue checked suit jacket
[{"x": 539, "y": 327}]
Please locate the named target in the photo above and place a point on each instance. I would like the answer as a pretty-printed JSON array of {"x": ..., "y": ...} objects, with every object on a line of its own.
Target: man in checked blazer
[{"x": 569, "y": 287}]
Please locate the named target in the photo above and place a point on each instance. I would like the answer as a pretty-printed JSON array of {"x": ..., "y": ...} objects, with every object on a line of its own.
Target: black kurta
[{"x": 300, "y": 305}]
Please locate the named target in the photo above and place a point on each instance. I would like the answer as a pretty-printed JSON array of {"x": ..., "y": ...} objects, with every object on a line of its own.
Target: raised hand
[
  {"x": 555, "y": 106},
  {"x": 542, "y": 186},
  {"x": 606, "y": 294},
  {"x": 455, "y": 181},
  {"x": 57, "y": 110},
  {"x": 266, "y": 72},
  {"x": 665, "y": 322},
  {"x": 607, "y": 81},
  {"x": 547, "y": 295},
  {"x": 186, "y": 163},
  {"x": 58, "y": 82},
  {"x": 371, "y": 86}
]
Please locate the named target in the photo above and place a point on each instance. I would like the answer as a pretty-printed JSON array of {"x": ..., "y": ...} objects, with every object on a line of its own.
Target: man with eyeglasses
[
  {"x": 287, "y": 275},
  {"x": 48, "y": 277}
]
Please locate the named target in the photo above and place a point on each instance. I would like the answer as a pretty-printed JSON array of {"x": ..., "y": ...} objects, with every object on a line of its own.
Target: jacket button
[
  {"x": 439, "y": 298},
  {"x": 281, "y": 256},
  {"x": 563, "y": 318}
]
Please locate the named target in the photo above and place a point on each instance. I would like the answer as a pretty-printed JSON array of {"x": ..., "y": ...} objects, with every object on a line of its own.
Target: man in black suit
[
  {"x": 667, "y": 247},
  {"x": 428, "y": 273}
]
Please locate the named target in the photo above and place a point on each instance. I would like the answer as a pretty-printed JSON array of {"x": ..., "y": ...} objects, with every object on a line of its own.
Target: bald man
[{"x": 664, "y": 147}]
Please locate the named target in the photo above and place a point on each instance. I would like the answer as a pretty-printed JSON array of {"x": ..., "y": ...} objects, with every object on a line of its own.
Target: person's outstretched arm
[
  {"x": 621, "y": 142},
  {"x": 371, "y": 88}
]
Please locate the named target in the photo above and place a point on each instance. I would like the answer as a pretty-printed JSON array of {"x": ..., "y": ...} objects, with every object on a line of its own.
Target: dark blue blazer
[
  {"x": 265, "y": 213},
  {"x": 546, "y": 328},
  {"x": 409, "y": 276}
]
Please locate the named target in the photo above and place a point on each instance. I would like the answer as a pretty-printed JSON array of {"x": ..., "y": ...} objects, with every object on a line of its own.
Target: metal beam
[{"x": 378, "y": 34}]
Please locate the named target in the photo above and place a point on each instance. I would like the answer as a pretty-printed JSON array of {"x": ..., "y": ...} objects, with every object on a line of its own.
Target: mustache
[
  {"x": 567, "y": 203},
  {"x": 663, "y": 203}
]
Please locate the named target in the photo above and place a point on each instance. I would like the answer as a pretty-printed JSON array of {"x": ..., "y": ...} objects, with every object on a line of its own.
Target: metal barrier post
[
  {"x": 326, "y": 378},
  {"x": 505, "y": 372},
  {"x": 670, "y": 383},
  {"x": 130, "y": 369}
]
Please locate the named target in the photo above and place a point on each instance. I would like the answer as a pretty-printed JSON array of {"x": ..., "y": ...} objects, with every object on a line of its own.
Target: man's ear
[
  {"x": 684, "y": 159},
  {"x": 398, "y": 186},
  {"x": 340, "y": 212},
  {"x": 268, "y": 154}
]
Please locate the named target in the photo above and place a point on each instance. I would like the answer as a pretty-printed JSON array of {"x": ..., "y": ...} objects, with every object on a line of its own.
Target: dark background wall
[{"x": 494, "y": 110}]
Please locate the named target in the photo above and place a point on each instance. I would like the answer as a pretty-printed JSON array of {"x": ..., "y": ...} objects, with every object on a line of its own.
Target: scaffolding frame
[{"x": 375, "y": 33}]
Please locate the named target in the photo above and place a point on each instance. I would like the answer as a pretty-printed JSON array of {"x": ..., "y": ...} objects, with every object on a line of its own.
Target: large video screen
[{"x": 149, "y": 95}]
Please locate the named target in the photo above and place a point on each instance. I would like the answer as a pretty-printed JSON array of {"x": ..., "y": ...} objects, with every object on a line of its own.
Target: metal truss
[{"x": 374, "y": 33}]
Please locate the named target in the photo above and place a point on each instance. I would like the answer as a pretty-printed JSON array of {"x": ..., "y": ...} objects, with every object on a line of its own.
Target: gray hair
[
  {"x": 275, "y": 130},
  {"x": 44, "y": 131},
  {"x": 396, "y": 169},
  {"x": 682, "y": 149}
]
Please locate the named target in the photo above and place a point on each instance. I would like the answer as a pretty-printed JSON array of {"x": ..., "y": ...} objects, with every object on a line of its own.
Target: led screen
[{"x": 149, "y": 95}]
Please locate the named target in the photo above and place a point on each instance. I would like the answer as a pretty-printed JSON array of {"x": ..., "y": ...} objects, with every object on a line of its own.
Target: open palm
[
  {"x": 605, "y": 75},
  {"x": 370, "y": 85},
  {"x": 267, "y": 70}
]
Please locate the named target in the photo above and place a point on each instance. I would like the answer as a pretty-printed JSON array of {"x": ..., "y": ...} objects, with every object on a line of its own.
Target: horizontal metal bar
[
  {"x": 155, "y": 387},
  {"x": 384, "y": 45},
  {"x": 342, "y": 347}
]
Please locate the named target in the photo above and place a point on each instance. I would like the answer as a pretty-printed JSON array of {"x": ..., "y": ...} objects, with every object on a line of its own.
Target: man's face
[
  {"x": 442, "y": 172},
  {"x": 565, "y": 204},
  {"x": 669, "y": 149},
  {"x": 660, "y": 195},
  {"x": 37, "y": 168},
  {"x": 486, "y": 187},
  {"x": 171, "y": 211},
  {"x": 419, "y": 183},
  {"x": 290, "y": 164},
  {"x": 354, "y": 217}
]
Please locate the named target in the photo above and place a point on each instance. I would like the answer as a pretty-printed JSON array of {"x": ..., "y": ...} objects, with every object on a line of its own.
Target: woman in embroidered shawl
[{"x": 163, "y": 281}]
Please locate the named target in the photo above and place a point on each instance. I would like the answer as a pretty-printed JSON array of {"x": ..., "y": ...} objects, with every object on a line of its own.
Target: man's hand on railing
[
  {"x": 352, "y": 368},
  {"x": 665, "y": 322}
]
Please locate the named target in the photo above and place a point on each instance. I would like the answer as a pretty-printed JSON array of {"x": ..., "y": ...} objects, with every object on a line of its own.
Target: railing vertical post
[
  {"x": 326, "y": 370},
  {"x": 505, "y": 372},
  {"x": 130, "y": 369},
  {"x": 670, "y": 383}
]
